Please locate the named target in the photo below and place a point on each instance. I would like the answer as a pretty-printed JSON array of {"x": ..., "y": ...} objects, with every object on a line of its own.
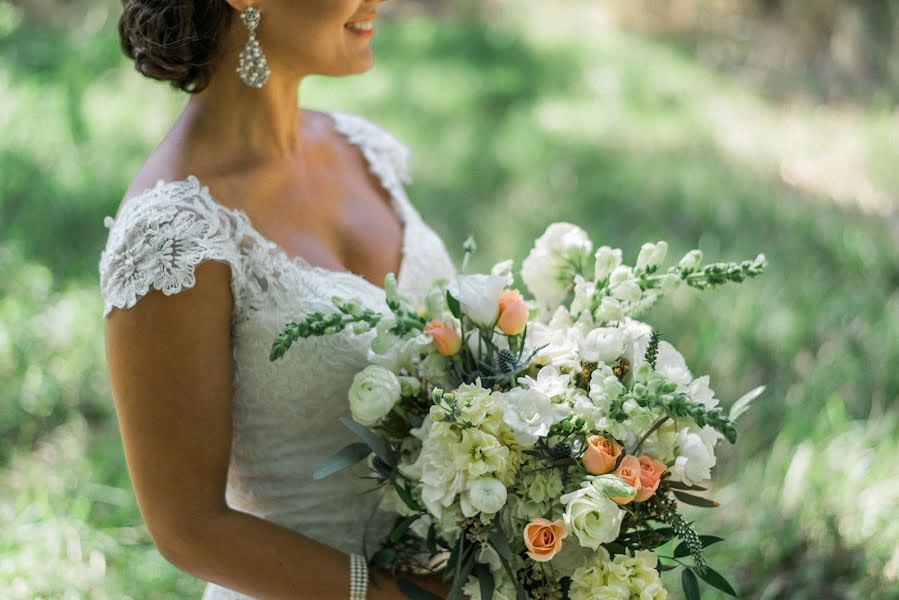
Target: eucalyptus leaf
[
  {"x": 485, "y": 579},
  {"x": 345, "y": 458},
  {"x": 716, "y": 580},
  {"x": 500, "y": 544},
  {"x": 690, "y": 584},
  {"x": 461, "y": 576},
  {"x": 695, "y": 500},
  {"x": 662, "y": 567},
  {"x": 413, "y": 592},
  {"x": 432, "y": 539},
  {"x": 378, "y": 445},
  {"x": 742, "y": 405}
]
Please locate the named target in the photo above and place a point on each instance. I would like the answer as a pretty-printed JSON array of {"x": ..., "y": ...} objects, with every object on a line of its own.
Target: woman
[{"x": 248, "y": 214}]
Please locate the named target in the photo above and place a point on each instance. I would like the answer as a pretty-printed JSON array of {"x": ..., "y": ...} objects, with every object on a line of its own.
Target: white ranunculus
[
  {"x": 592, "y": 516},
  {"x": 478, "y": 295},
  {"x": 374, "y": 392},
  {"x": 671, "y": 364},
  {"x": 484, "y": 495},
  {"x": 652, "y": 255},
  {"x": 556, "y": 257},
  {"x": 530, "y": 414},
  {"x": 607, "y": 260},
  {"x": 696, "y": 455},
  {"x": 602, "y": 345}
]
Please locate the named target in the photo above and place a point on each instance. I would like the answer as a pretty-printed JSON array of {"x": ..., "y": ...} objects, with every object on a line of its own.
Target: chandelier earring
[{"x": 252, "y": 67}]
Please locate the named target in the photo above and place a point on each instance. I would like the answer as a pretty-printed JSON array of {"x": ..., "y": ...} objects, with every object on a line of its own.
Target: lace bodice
[{"x": 285, "y": 413}]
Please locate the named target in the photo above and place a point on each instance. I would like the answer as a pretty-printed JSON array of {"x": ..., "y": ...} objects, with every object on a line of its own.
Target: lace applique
[{"x": 158, "y": 241}]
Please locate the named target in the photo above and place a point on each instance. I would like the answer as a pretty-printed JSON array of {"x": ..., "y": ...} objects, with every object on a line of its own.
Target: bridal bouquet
[{"x": 538, "y": 448}]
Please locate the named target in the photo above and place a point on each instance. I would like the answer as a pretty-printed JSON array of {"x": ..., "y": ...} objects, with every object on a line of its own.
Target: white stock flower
[
  {"x": 607, "y": 260},
  {"x": 690, "y": 260},
  {"x": 530, "y": 413},
  {"x": 556, "y": 257},
  {"x": 652, "y": 255},
  {"x": 584, "y": 290},
  {"x": 373, "y": 393},
  {"x": 484, "y": 495},
  {"x": 696, "y": 455},
  {"x": 592, "y": 516},
  {"x": 609, "y": 310},
  {"x": 478, "y": 296},
  {"x": 602, "y": 345},
  {"x": 671, "y": 364}
]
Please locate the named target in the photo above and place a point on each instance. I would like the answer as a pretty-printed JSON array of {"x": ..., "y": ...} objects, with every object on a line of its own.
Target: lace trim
[{"x": 160, "y": 237}]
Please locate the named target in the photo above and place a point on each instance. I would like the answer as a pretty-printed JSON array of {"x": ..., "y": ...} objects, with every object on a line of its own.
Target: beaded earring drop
[{"x": 252, "y": 68}]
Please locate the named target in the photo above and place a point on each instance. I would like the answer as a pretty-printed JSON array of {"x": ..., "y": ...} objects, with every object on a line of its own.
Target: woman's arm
[{"x": 169, "y": 361}]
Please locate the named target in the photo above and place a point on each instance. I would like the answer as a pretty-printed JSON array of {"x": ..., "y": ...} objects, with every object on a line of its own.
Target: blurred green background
[{"x": 732, "y": 126}]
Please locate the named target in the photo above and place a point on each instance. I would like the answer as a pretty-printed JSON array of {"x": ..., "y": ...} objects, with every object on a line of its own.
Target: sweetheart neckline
[{"x": 340, "y": 126}]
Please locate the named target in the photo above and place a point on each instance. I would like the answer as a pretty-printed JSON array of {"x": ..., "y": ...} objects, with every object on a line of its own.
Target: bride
[{"x": 249, "y": 213}]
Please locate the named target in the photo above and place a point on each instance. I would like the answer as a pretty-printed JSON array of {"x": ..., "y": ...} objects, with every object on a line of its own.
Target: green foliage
[{"x": 512, "y": 124}]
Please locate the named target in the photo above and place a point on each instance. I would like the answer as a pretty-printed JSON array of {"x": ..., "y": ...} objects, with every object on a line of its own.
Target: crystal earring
[{"x": 252, "y": 68}]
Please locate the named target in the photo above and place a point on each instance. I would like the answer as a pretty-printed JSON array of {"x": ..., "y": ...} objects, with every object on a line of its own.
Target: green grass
[{"x": 512, "y": 126}]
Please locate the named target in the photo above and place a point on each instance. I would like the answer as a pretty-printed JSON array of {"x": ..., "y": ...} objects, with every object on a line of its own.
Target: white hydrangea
[{"x": 549, "y": 269}]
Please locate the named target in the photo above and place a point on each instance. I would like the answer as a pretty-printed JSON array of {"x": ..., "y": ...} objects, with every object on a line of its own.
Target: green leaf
[
  {"x": 383, "y": 557},
  {"x": 690, "y": 584},
  {"x": 500, "y": 544},
  {"x": 716, "y": 580},
  {"x": 695, "y": 500},
  {"x": 346, "y": 457},
  {"x": 485, "y": 578},
  {"x": 406, "y": 496},
  {"x": 662, "y": 567},
  {"x": 413, "y": 592},
  {"x": 453, "y": 305},
  {"x": 432, "y": 539},
  {"x": 520, "y": 592},
  {"x": 378, "y": 445},
  {"x": 679, "y": 485},
  {"x": 742, "y": 405},
  {"x": 461, "y": 576},
  {"x": 402, "y": 528}
]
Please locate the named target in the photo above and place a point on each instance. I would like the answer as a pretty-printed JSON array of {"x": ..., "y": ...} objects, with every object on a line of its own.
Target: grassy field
[{"x": 513, "y": 123}]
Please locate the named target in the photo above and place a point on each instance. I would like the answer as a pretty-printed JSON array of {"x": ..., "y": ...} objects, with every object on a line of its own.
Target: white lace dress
[{"x": 285, "y": 413}]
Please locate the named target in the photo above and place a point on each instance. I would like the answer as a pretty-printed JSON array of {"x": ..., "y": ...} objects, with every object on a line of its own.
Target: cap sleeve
[{"x": 159, "y": 238}]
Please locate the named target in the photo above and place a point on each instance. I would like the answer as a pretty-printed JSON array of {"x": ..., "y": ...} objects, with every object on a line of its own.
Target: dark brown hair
[{"x": 175, "y": 40}]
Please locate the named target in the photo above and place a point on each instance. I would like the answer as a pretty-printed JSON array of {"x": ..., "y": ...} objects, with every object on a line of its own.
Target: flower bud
[
  {"x": 690, "y": 260},
  {"x": 513, "y": 312},
  {"x": 446, "y": 338}
]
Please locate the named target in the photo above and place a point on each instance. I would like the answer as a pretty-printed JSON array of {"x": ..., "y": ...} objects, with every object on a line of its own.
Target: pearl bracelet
[{"x": 358, "y": 577}]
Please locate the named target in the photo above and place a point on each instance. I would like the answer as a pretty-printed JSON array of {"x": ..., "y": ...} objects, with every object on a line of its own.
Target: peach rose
[
  {"x": 446, "y": 339},
  {"x": 629, "y": 470},
  {"x": 650, "y": 472},
  {"x": 544, "y": 538},
  {"x": 513, "y": 312},
  {"x": 600, "y": 456}
]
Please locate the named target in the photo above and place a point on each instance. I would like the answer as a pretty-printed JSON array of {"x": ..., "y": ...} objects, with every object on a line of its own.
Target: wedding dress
[{"x": 285, "y": 413}]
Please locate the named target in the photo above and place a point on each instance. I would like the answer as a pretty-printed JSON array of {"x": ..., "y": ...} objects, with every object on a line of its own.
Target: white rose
[
  {"x": 484, "y": 495},
  {"x": 373, "y": 394},
  {"x": 478, "y": 296},
  {"x": 696, "y": 455},
  {"x": 550, "y": 267},
  {"x": 602, "y": 345},
  {"x": 592, "y": 517},
  {"x": 530, "y": 414},
  {"x": 607, "y": 260},
  {"x": 671, "y": 364}
]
